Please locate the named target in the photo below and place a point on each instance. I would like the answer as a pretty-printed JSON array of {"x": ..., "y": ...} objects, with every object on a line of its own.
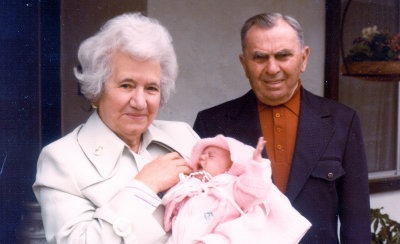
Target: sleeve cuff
[
  {"x": 132, "y": 201},
  {"x": 144, "y": 193}
]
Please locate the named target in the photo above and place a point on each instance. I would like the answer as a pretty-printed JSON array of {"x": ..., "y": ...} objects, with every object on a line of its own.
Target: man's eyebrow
[
  {"x": 258, "y": 54},
  {"x": 284, "y": 52}
]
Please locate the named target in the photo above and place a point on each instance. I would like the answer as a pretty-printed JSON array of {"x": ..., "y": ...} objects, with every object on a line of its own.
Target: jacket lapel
[
  {"x": 100, "y": 145},
  {"x": 244, "y": 124},
  {"x": 313, "y": 134}
]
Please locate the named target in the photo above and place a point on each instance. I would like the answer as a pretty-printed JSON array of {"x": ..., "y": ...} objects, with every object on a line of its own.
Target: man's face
[{"x": 273, "y": 60}]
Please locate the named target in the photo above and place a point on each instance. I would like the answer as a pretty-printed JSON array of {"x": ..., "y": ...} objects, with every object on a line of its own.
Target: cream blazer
[{"x": 85, "y": 186}]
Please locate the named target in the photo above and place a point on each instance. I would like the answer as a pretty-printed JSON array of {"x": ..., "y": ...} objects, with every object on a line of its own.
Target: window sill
[{"x": 384, "y": 184}]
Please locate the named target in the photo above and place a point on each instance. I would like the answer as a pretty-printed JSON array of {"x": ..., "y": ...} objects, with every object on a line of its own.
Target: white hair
[{"x": 132, "y": 33}]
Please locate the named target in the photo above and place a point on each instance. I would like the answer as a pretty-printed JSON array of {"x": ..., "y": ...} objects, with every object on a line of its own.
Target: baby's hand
[{"x": 260, "y": 147}]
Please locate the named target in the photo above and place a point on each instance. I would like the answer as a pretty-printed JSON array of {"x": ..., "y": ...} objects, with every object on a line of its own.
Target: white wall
[
  {"x": 207, "y": 42},
  {"x": 390, "y": 203}
]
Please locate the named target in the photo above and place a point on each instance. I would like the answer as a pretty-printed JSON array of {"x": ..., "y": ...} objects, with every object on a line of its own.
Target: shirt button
[
  {"x": 279, "y": 146},
  {"x": 277, "y": 115},
  {"x": 278, "y": 129},
  {"x": 330, "y": 175}
]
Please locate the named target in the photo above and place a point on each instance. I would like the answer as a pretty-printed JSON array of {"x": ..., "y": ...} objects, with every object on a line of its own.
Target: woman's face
[{"x": 131, "y": 97}]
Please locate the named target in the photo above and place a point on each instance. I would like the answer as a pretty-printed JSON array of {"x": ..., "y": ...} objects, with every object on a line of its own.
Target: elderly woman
[{"x": 99, "y": 184}]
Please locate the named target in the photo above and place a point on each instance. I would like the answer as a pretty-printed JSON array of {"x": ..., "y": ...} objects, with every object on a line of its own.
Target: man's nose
[{"x": 272, "y": 67}]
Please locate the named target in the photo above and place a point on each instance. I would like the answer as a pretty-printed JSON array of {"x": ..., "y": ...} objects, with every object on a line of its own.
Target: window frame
[{"x": 378, "y": 182}]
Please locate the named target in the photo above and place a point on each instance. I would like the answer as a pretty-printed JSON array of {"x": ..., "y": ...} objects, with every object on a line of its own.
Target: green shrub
[{"x": 384, "y": 230}]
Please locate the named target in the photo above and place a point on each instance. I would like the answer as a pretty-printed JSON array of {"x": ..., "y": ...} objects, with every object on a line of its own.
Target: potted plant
[{"x": 375, "y": 54}]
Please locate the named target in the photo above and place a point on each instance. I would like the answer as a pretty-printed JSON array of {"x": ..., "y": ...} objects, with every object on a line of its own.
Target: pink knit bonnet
[{"x": 240, "y": 153}]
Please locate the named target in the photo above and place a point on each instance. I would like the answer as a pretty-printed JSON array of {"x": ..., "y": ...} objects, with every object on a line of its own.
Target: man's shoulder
[
  {"x": 325, "y": 104},
  {"x": 231, "y": 104},
  {"x": 228, "y": 118}
]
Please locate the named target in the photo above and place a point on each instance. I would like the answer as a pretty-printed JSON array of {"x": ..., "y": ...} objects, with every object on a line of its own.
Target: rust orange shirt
[{"x": 279, "y": 129}]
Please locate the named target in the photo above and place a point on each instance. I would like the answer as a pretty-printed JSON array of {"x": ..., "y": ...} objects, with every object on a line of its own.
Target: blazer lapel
[
  {"x": 100, "y": 144},
  {"x": 243, "y": 123},
  {"x": 313, "y": 134}
]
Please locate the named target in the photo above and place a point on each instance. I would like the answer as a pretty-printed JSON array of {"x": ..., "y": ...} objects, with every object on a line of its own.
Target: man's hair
[{"x": 269, "y": 20}]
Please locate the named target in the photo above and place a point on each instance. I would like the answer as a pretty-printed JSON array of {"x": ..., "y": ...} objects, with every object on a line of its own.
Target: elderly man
[{"x": 315, "y": 144}]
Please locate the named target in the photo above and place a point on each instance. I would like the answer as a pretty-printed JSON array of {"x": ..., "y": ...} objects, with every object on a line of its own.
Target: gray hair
[
  {"x": 132, "y": 33},
  {"x": 269, "y": 20}
]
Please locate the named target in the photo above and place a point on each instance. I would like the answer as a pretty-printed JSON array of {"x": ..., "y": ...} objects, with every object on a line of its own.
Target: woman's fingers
[{"x": 163, "y": 172}]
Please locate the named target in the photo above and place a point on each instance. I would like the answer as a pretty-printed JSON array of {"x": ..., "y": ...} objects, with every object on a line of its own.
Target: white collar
[{"x": 103, "y": 147}]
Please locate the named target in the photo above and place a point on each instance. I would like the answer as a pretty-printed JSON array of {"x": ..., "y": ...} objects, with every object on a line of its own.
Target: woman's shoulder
[
  {"x": 171, "y": 125},
  {"x": 175, "y": 128},
  {"x": 64, "y": 142},
  {"x": 62, "y": 153},
  {"x": 176, "y": 134}
]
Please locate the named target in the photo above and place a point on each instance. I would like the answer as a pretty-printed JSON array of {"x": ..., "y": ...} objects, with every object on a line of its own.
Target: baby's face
[{"x": 214, "y": 160}]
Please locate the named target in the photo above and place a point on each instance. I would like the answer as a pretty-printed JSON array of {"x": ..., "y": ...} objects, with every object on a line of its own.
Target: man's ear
[
  {"x": 243, "y": 62},
  {"x": 305, "y": 54}
]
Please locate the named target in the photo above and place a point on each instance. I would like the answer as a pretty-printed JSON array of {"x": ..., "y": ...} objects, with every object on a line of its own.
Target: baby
[{"x": 230, "y": 198}]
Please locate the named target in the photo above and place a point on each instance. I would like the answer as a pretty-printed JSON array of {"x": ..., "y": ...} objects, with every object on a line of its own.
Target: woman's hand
[
  {"x": 260, "y": 147},
  {"x": 163, "y": 172}
]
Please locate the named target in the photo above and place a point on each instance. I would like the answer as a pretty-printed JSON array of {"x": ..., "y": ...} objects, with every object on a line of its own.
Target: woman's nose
[{"x": 138, "y": 100}]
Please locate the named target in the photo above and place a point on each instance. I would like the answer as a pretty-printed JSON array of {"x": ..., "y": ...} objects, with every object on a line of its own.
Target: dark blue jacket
[{"x": 329, "y": 176}]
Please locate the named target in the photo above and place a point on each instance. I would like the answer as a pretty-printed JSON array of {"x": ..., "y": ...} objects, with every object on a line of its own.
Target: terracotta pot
[{"x": 373, "y": 70}]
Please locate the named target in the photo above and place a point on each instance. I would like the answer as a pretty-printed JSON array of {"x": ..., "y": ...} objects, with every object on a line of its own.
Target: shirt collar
[{"x": 293, "y": 104}]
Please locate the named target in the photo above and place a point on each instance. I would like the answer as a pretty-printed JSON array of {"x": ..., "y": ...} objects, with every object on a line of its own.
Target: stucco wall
[{"x": 207, "y": 41}]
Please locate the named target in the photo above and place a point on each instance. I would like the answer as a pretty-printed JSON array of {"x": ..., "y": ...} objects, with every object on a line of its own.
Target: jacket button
[
  {"x": 330, "y": 175},
  {"x": 122, "y": 227}
]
